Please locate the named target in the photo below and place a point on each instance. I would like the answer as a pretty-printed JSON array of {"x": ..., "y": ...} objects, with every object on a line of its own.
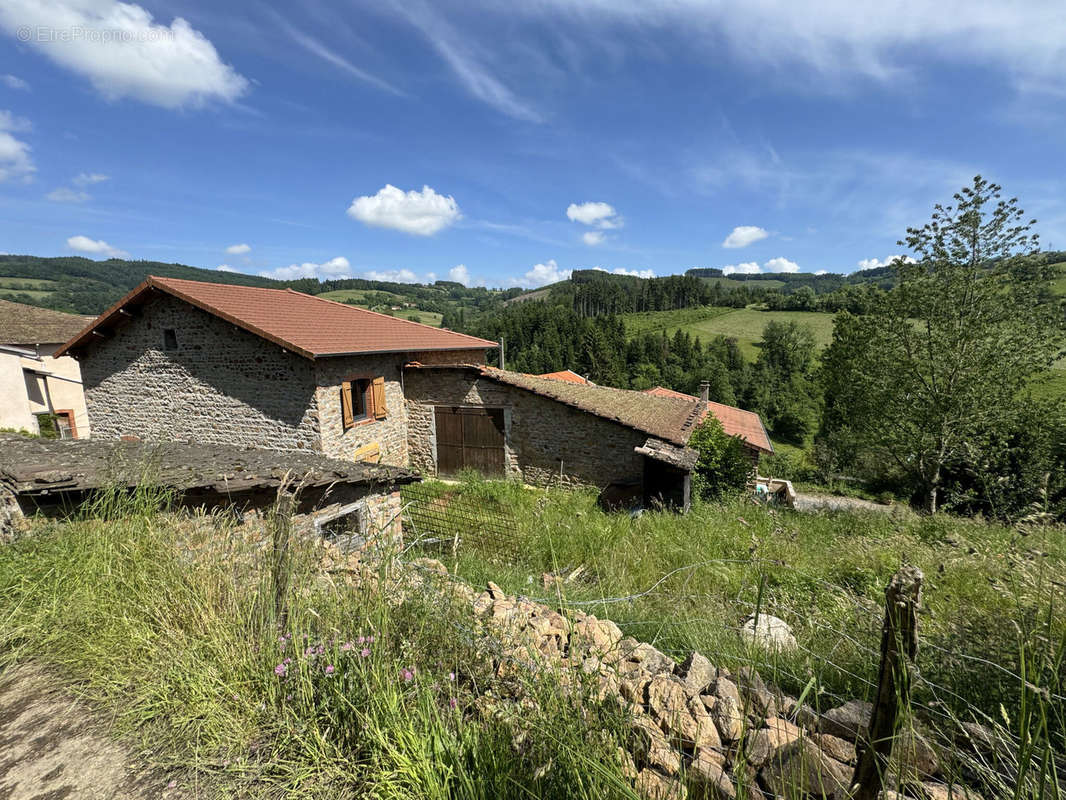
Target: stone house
[
  {"x": 237, "y": 365},
  {"x": 40, "y": 392}
]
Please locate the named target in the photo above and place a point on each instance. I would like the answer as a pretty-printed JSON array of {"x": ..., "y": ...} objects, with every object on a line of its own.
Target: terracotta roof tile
[
  {"x": 311, "y": 326},
  {"x": 567, "y": 375},
  {"x": 23, "y": 324},
  {"x": 735, "y": 421}
]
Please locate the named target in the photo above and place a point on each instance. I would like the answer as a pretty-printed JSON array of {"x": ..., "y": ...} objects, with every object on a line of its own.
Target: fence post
[
  {"x": 899, "y": 646},
  {"x": 282, "y": 561}
]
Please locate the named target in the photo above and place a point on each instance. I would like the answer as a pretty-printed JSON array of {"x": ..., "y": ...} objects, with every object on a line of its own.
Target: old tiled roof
[
  {"x": 37, "y": 466},
  {"x": 23, "y": 324},
  {"x": 566, "y": 375},
  {"x": 735, "y": 421},
  {"x": 311, "y": 326},
  {"x": 668, "y": 419}
]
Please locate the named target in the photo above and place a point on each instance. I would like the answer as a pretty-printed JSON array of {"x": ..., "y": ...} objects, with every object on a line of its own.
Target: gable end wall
[{"x": 222, "y": 385}]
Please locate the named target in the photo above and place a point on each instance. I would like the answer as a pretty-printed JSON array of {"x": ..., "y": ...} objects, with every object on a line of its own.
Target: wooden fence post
[
  {"x": 899, "y": 646},
  {"x": 281, "y": 567}
]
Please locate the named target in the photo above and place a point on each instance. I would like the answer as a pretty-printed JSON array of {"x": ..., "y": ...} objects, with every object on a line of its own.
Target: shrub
[{"x": 724, "y": 466}]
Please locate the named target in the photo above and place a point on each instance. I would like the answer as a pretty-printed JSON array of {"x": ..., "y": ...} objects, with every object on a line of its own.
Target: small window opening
[
  {"x": 170, "y": 339},
  {"x": 348, "y": 530}
]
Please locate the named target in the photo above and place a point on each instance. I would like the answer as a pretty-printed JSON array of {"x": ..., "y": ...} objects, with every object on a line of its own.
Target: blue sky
[{"x": 506, "y": 143}]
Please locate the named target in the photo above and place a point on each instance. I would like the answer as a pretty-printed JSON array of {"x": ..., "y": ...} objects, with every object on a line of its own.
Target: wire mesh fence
[{"x": 440, "y": 517}]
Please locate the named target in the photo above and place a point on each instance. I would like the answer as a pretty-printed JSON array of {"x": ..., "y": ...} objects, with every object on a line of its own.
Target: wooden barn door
[{"x": 470, "y": 438}]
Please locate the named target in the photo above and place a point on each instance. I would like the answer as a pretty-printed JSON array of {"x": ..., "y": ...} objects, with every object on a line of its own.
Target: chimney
[{"x": 705, "y": 391}]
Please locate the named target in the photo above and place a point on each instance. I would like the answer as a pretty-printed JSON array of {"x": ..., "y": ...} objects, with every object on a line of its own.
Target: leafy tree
[
  {"x": 724, "y": 466},
  {"x": 782, "y": 388},
  {"x": 932, "y": 375}
]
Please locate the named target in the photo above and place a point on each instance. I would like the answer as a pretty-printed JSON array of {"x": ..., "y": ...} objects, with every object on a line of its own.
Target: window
[
  {"x": 58, "y": 425},
  {"x": 170, "y": 339},
  {"x": 362, "y": 400}
]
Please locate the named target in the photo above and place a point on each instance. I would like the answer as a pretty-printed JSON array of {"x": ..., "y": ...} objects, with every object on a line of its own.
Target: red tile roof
[
  {"x": 567, "y": 375},
  {"x": 310, "y": 326},
  {"x": 735, "y": 421}
]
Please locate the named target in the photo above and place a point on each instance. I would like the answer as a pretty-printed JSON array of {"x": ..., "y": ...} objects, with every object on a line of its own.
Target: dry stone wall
[{"x": 697, "y": 730}]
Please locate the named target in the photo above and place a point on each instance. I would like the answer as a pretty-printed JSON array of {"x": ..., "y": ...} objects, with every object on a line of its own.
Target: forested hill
[{"x": 84, "y": 286}]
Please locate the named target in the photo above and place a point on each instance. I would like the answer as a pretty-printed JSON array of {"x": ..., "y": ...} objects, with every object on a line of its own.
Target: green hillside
[{"x": 743, "y": 324}]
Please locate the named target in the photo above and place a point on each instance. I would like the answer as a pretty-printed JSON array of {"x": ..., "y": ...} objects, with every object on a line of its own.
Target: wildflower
[
  {"x": 407, "y": 675},
  {"x": 281, "y": 669},
  {"x": 347, "y": 646},
  {"x": 310, "y": 651},
  {"x": 361, "y": 639},
  {"x": 451, "y": 676},
  {"x": 453, "y": 703},
  {"x": 321, "y": 649},
  {"x": 172, "y": 784},
  {"x": 287, "y": 661},
  {"x": 288, "y": 697},
  {"x": 364, "y": 652},
  {"x": 329, "y": 669}
]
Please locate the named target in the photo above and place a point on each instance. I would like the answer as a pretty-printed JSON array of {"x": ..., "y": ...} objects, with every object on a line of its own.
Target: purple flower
[
  {"x": 407, "y": 675},
  {"x": 287, "y": 661},
  {"x": 310, "y": 651},
  {"x": 280, "y": 670},
  {"x": 451, "y": 676},
  {"x": 329, "y": 669},
  {"x": 364, "y": 652},
  {"x": 361, "y": 639},
  {"x": 453, "y": 703},
  {"x": 347, "y": 646},
  {"x": 321, "y": 649}
]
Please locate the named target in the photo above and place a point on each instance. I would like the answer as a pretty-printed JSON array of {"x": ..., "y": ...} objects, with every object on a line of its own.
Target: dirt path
[{"x": 53, "y": 747}]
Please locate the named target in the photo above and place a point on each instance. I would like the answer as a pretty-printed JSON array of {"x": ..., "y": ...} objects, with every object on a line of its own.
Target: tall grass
[
  {"x": 992, "y": 635},
  {"x": 338, "y": 690}
]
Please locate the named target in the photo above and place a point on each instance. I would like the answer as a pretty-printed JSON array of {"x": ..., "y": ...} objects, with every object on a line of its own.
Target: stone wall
[
  {"x": 221, "y": 385},
  {"x": 547, "y": 442},
  {"x": 696, "y": 729}
]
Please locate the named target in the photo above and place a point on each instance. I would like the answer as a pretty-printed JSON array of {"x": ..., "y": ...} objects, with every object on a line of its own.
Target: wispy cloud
[
  {"x": 317, "y": 48},
  {"x": 470, "y": 63}
]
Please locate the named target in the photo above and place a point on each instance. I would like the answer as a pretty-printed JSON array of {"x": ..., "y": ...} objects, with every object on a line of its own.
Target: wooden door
[{"x": 470, "y": 438}]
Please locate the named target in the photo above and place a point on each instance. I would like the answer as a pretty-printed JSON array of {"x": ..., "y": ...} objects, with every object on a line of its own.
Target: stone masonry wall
[
  {"x": 390, "y": 435},
  {"x": 221, "y": 385},
  {"x": 542, "y": 435}
]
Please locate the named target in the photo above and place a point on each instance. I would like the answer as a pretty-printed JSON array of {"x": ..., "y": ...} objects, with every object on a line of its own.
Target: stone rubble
[{"x": 696, "y": 730}]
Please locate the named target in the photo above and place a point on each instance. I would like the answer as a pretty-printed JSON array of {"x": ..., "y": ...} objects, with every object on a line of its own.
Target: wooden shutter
[
  {"x": 348, "y": 419},
  {"x": 377, "y": 398}
]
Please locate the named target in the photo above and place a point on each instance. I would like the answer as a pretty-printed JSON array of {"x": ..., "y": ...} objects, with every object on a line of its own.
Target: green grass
[
  {"x": 36, "y": 294},
  {"x": 26, "y": 283},
  {"x": 733, "y": 283},
  {"x": 170, "y": 623},
  {"x": 688, "y": 582},
  {"x": 357, "y": 296},
  {"x": 744, "y": 324},
  {"x": 1058, "y": 285},
  {"x": 425, "y": 317}
]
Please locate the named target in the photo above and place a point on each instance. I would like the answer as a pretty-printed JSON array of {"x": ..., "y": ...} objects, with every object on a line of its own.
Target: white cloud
[
  {"x": 334, "y": 268},
  {"x": 89, "y": 178},
  {"x": 64, "y": 194},
  {"x": 744, "y": 235},
  {"x": 468, "y": 63},
  {"x": 316, "y": 47},
  {"x": 595, "y": 214},
  {"x": 781, "y": 265},
  {"x": 124, "y": 53},
  {"x": 752, "y": 268},
  {"x": 593, "y": 238},
  {"x": 225, "y": 268},
  {"x": 839, "y": 40},
  {"x": 14, "y": 82},
  {"x": 460, "y": 274},
  {"x": 421, "y": 213},
  {"x": 15, "y": 160},
  {"x": 636, "y": 273},
  {"x": 822, "y": 272},
  {"x": 391, "y": 275},
  {"x": 238, "y": 249},
  {"x": 541, "y": 275},
  {"x": 873, "y": 263},
  {"x": 83, "y": 244},
  {"x": 748, "y": 268},
  {"x": 9, "y": 122}
]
